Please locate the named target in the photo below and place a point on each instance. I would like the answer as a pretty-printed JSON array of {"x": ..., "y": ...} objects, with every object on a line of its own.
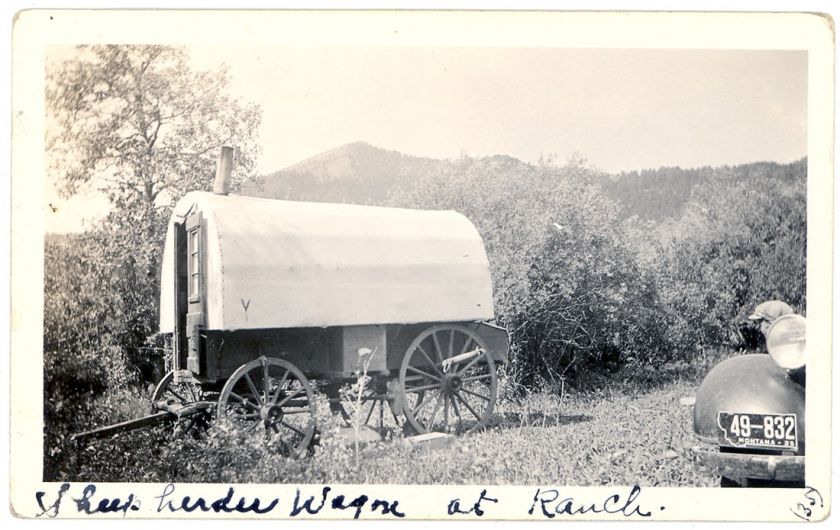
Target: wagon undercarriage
[{"x": 446, "y": 382}]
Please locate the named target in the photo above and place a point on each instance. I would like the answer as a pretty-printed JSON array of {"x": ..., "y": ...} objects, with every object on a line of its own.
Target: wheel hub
[
  {"x": 270, "y": 414},
  {"x": 453, "y": 383}
]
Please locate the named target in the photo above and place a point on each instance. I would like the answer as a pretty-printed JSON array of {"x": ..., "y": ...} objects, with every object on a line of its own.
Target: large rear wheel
[{"x": 448, "y": 381}]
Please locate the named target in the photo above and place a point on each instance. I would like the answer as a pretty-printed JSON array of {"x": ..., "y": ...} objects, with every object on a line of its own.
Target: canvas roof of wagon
[{"x": 270, "y": 263}]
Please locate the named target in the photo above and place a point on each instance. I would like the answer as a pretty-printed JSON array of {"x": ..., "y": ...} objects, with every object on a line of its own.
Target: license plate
[{"x": 758, "y": 431}]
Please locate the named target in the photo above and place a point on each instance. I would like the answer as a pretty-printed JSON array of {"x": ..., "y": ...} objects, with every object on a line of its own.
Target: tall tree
[{"x": 142, "y": 126}]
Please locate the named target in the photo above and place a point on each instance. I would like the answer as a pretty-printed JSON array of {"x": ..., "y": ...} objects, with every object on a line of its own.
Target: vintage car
[{"x": 750, "y": 413}]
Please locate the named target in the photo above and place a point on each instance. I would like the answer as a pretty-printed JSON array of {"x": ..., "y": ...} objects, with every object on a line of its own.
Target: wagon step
[{"x": 168, "y": 413}]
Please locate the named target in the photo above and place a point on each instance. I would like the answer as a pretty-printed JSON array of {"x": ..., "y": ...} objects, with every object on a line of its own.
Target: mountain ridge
[{"x": 361, "y": 173}]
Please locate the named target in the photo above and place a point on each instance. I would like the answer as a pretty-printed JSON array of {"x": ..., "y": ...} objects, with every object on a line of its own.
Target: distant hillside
[
  {"x": 360, "y": 173},
  {"x": 353, "y": 173},
  {"x": 660, "y": 193}
]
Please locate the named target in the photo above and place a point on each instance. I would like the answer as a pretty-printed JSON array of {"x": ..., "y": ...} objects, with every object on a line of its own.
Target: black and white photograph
[{"x": 561, "y": 271}]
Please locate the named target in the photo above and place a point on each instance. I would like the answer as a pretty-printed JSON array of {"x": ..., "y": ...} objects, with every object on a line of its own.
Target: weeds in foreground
[
  {"x": 352, "y": 395},
  {"x": 617, "y": 436}
]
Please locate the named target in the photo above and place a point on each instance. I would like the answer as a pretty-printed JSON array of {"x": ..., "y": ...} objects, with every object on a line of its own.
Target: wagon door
[
  {"x": 193, "y": 265},
  {"x": 180, "y": 298}
]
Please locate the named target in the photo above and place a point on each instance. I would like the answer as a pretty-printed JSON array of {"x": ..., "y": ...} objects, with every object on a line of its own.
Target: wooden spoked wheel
[
  {"x": 172, "y": 396},
  {"x": 448, "y": 381},
  {"x": 174, "y": 393},
  {"x": 273, "y": 394}
]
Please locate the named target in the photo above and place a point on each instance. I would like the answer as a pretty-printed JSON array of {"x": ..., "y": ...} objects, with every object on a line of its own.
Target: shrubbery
[
  {"x": 564, "y": 278},
  {"x": 576, "y": 285},
  {"x": 98, "y": 312},
  {"x": 741, "y": 241}
]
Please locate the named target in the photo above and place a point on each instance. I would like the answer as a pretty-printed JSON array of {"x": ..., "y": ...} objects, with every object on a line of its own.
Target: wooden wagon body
[{"x": 269, "y": 301}]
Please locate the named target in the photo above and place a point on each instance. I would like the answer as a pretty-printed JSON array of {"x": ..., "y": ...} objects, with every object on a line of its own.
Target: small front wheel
[
  {"x": 167, "y": 392},
  {"x": 171, "y": 396},
  {"x": 273, "y": 394}
]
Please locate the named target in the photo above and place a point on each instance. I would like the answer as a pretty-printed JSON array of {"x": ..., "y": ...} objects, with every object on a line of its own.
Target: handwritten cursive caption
[
  {"x": 91, "y": 499},
  {"x": 90, "y": 502},
  {"x": 549, "y": 503}
]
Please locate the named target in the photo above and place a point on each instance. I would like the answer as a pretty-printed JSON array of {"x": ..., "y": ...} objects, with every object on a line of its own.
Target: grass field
[{"x": 618, "y": 435}]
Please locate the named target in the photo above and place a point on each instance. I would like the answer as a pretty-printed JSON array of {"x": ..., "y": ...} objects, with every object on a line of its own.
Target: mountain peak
[
  {"x": 355, "y": 172},
  {"x": 361, "y": 144},
  {"x": 335, "y": 160}
]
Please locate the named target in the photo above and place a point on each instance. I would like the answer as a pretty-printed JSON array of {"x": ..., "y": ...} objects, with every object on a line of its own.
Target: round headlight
[{"x": 786, "y": 341}]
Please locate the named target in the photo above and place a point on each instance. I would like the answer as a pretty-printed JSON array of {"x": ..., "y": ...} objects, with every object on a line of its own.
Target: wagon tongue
[
  {"x": 165, "y": 413},
  {"x": 130, "y": 425},
  {"x": 447, "y": 363}
]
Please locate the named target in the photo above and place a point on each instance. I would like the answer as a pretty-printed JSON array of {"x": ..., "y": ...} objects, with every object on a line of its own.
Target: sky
[{"x": 618, "y": 109}]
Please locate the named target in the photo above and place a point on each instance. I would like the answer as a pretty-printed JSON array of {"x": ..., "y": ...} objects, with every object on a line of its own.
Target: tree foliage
[
  {"x": 657, "y": 194},
  {"x": 741, "y": 241},
  {"x": 575, "y": 284},
  {"x": 566, "y": 283},
  {"x": 140, "y": 125}
]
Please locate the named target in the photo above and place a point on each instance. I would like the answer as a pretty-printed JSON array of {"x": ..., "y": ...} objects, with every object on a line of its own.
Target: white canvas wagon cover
[{"x": 277, "y": 264}]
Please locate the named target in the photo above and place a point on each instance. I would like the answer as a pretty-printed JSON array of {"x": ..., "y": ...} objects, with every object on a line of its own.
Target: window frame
[{"x": 195, "y": 278}]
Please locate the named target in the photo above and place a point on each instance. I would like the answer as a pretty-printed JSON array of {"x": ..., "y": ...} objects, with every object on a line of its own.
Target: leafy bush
[
  {"x": 566, "y": 279},
  {"x": 81, "y": 315},
  {"x": 98, "y": 313},
  {"x": 575, "y": 284},
  {"x": 741, "y": 241}
]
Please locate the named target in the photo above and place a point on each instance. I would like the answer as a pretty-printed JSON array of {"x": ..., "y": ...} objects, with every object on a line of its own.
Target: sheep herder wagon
[{"x": 265, "y": 298}]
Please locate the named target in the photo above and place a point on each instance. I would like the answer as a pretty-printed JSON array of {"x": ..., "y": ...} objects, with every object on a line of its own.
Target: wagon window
[{"x": 194, "y": 267}]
